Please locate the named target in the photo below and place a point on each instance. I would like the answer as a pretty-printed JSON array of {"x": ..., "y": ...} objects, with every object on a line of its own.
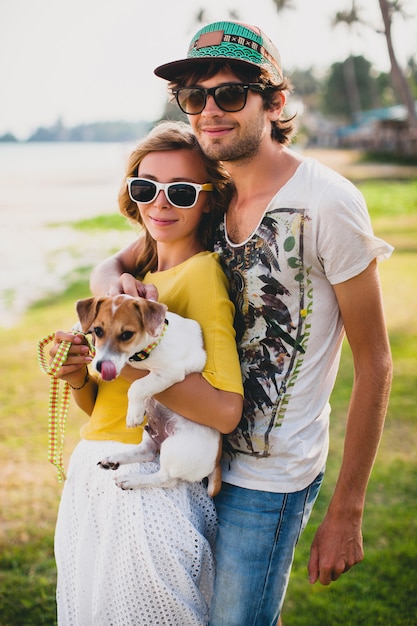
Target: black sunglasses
[
  {"x": 230, "y": 97},
  {"x": 181, "y": 195}
]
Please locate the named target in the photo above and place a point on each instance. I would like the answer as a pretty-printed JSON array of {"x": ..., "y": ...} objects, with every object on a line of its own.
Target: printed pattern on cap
[{"x": 236, "y": 41}]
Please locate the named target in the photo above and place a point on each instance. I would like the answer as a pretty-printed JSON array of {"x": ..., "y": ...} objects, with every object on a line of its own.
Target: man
[{"x": 301, "y": 257}]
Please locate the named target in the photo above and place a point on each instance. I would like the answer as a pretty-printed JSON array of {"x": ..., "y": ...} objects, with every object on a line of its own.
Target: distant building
[{"x": 381, "y": 130}]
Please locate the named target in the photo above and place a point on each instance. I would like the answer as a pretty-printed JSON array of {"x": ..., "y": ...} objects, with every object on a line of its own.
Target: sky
[{"x": 92, "y": 60}]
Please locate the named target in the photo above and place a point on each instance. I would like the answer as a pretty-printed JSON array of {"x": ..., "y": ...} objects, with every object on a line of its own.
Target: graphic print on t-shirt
[{"x": 270, "y": 289}]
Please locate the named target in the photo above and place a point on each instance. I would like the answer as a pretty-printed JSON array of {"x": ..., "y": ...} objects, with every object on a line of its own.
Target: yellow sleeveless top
[{"x": 197, "y": 289}]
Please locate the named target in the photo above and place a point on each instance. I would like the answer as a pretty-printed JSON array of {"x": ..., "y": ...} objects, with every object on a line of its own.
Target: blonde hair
[{"x": 176, "y": 136}]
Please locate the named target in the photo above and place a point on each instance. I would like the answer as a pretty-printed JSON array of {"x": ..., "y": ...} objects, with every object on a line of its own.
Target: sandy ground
[{"x": 347, "y": 163}]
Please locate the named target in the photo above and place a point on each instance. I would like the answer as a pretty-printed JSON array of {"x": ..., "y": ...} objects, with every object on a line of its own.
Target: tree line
[
  {"x": 116, "y": 131},
  {"x": 329, "y": 95}
]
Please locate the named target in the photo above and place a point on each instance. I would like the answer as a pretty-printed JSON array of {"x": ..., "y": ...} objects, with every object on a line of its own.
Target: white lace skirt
[{"x": 131, "y": 558}]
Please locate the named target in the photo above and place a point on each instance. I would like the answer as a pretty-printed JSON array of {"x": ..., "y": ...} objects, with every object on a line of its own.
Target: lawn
[{"x": 381, "y": 590}]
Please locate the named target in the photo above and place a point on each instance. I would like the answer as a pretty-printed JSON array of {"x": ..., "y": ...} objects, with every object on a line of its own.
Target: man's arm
[
  {"x": 116, "y": 274},
  {"x": 338, "y": 545}
]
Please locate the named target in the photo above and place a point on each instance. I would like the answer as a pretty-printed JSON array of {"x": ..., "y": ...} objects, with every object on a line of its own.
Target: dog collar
[{"x": 143, "y": 354}]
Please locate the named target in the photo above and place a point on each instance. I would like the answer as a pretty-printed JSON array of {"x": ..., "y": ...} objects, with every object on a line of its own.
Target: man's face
[{"x": 230, "y": 136}]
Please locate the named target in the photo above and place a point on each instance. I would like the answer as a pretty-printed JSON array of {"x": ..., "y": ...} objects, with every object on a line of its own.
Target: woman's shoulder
[
  {"x": 205, "y": 259},
  {"x": 204, "y": 262}
]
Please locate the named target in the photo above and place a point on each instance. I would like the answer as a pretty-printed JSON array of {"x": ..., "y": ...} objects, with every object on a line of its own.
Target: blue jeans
[{"x": 256, "y": 538}]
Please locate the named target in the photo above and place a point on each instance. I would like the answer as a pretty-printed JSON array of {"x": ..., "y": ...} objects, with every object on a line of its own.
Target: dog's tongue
[{"x": 108, "y": 370}]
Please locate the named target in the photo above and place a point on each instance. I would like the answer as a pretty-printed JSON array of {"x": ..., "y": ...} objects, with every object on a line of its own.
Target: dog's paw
[
  {"x": 125, "y": 482},
  {"x": 109, "y": 463},
  {"x": 134, "y": 419}
]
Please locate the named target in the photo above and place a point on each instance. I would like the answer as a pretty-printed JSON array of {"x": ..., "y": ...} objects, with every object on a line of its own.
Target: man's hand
[
  {"x": 129, "y": 285},
  {"x": 116, "y": 275},
  {"x": 337, "y": 546}
]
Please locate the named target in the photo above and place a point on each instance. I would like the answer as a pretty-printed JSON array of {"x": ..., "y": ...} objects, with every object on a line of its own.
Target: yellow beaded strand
[{"x": 58, "y": 405}]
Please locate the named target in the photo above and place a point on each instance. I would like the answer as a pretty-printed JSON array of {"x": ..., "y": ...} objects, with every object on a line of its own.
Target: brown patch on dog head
[
  {"x": 152, "y": 315},
  {"x": 121, "y": 321},
  {"x": 87, "y": 310}
]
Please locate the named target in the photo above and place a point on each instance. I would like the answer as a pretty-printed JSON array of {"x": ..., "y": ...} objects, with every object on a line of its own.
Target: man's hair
[
  {"x": 168, "y": 136},
  {"x": 282, "y": 130}
]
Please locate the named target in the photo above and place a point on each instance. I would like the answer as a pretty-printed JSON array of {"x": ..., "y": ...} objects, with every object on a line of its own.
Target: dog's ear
[
  {"x": 87, "y": 310},
  {"x": 152, "y": 314}
]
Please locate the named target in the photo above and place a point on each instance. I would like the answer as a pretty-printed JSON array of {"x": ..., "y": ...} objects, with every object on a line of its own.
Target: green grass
[
  {"x": 27, "y": 581},
  {"x": 381, "y": 590},
  {"x": 390, "y": 199},
  {"x": 385, "y": 157},
  {"x": 113, "y": 221}
]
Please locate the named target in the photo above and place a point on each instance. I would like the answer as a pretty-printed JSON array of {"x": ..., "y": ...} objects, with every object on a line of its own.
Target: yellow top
[{"x": 197, "y": 289}]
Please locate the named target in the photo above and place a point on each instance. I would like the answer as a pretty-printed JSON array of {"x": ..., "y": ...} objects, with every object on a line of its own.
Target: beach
[{"x": 44, "y": 189}]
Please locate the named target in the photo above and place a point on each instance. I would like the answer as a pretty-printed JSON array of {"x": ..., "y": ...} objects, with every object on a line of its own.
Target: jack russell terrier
[{"x": 145, "y": 335}]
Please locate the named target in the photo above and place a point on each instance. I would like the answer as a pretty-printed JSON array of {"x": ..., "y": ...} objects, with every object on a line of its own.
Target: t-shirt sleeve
[{"x": 346, "y": 244}]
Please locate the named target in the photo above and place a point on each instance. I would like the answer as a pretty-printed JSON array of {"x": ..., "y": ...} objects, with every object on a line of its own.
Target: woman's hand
[{"x": 74, "y": 368}]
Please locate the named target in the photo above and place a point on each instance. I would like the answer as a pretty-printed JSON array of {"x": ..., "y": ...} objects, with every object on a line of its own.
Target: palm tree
[
  {"x": 388, "y": 10},
  {"x": 281, "y": 5},
  {"x": 350, "y": 19}
]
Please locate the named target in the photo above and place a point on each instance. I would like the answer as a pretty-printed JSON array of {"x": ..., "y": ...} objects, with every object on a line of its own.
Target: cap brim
[{"x": 170, "y": 71}]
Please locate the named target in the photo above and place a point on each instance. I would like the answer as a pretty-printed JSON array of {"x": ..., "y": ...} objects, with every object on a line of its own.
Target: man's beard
[{"x": 241, "y": 149}]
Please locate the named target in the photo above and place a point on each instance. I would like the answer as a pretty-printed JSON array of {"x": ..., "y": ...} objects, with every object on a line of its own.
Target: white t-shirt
[{"x": 315, "y": 233}]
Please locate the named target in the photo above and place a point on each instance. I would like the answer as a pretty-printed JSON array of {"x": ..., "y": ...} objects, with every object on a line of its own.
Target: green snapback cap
[{"x": 227, "y": 41}]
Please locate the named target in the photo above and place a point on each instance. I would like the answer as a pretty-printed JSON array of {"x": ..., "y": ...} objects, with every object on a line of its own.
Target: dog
[{"x": 144, "y": 334}]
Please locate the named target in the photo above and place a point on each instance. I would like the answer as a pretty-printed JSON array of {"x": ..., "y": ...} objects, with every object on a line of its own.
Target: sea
[{"x": 44, "y": 189}]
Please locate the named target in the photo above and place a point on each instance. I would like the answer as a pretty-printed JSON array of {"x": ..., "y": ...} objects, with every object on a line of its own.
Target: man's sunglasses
[
  {"x": 181, "y": 195},
  {"x": 230, "y": 97}
]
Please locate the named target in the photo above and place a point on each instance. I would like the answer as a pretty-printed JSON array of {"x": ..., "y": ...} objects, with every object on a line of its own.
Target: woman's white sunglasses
[{"x": 181, "y": 195}]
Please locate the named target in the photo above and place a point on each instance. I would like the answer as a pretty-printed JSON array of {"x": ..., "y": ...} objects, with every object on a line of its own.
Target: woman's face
[{"x": 165, "y": 222}]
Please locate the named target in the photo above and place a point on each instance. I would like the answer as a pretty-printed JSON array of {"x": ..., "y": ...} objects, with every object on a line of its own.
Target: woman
[{"x": 145, "y": 556}]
